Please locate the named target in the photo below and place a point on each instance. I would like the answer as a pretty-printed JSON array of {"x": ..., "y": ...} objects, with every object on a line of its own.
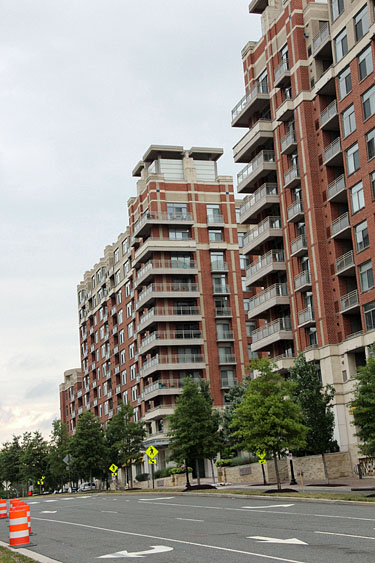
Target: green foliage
[
  {"x": 268, "y": 418},
  {"x": 178, "y": 470},
  {"x": 235, "y": 461},
  {"x": 57, "y": 472},
  {"x": 160, "y": 473},
  {"x": 229, "y": 446},
  {"x": 87, "y": 447},
  {"x": 363, "y": 406},
  {"x": 223, "y": 462},
  {"x": 10, "y": 462},
  {"x": 316, "y": 405},
  {"x": 194, "y": 425},
  {"x": 142, "y": 477},
  {"x": 34, "y": 457}
]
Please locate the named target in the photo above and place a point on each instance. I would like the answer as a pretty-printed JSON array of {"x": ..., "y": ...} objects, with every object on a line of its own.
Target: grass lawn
[{"x": 7, "y": 556}]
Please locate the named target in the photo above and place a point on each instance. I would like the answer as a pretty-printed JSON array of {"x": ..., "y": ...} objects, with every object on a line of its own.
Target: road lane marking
[
  {"x": 48, "y": 512},
  {"x": 184, "y": 542},
  {"x": 154, "y": 549},
  {"x": 270, "y": 506},
  {"x": 346, "y": 535},
  {"x": 264, "y": 539},
  {"x": 265, "y": 511},
  {"x": 152, "y": 498},
  {"x": 34, "y": 502},
  {"x": 51, "y": 501},
  {"x": 110, "y": 511},
  {"x": 190, "y": 519}
]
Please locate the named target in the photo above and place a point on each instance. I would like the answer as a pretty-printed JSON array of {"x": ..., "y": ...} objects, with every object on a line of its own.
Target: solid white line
[
  {"x": 50, "y": 501},
  {"x": 190, "y": 519},
  {"x": 264, "y": 511},
  {"x": 110, "y": 511},
  {"x": 153, "y": 498},
  {"x": 207, "y": 546},
  {"x": 346, "y": 535}
]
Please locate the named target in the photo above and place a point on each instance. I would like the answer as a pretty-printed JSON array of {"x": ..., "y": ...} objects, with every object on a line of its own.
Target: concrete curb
[{"x": 30, "y": 554}]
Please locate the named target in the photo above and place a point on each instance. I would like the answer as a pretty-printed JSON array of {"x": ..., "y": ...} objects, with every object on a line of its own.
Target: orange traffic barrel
[
  {"x": 3, "y": 508},
  {"x": 18, "y": 528}
]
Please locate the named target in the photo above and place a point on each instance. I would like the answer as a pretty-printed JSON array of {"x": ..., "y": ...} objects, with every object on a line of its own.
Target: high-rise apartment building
[
  {"x": 309, "y": 172},
  {"x": 167, "y": 300}
]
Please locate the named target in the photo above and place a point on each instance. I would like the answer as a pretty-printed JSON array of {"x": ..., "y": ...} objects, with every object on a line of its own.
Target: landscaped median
[{"x": 8, "y": 556}]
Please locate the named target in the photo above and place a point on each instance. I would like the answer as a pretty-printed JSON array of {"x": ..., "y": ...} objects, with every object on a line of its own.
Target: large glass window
[
  {"x": 369, "y": 312},
  {"x": 370, "y": 143},
  {"x": 366, "y": 276},
  {"x": 215, "y": 235},
  {"x": 372, "y": 182},
  {"x": 348, "y": 120},
  {"x": 341, "y": 45},
  {"x": 357, "y": 197},
  {"x": 213, "y": 213},
  {"x": 361, "y": 236},
  {"x": 361, "y": 23},
  {"x": 368, "y": 102},
  {"x": 263, "y": 82},
  {"x": 345, "y": 83},
  {"x": 337, "y": 8},
  {"x": 365, "y": 64},
  {"x": 177, "y": 210},
  {"x": 352, "y": 159},
  {"x": 179, "y": 234}
]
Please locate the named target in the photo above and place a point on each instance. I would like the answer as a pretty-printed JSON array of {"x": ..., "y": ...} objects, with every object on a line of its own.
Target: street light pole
[{"x": 293, "y": 479}]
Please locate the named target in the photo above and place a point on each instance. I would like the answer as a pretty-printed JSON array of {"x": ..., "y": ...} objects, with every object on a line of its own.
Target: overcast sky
[{"x": 86, "y": 87}]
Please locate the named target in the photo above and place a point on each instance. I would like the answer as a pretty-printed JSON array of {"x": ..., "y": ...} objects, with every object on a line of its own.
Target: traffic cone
[
  {"x": 18, "y": 528},
  {"x": 3, "y": 508}
]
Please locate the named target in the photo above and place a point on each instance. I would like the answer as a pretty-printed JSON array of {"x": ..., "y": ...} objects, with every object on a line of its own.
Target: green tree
[
  {"x": 58, "y": 473},
  {"x": 125, "y": 439},
  {"x": 268, "y": 419},
  {"x": 316, "y": 404},
  {"x": 33, "y": 457},
  {"x": 10, "y": 463},
  {"x": 228, "y": 444},
  {"x": 88, "y": 448},
  {"x": 363, "y": 405},
  {"x": 193, "y": 426}
]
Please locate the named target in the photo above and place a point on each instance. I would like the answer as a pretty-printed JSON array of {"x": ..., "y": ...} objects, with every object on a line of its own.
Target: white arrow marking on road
[
  {"x": 48, "y": 511},
  {"x": 155, "y": 549},
  {"x": 271, "y": 506},
  {"x": 294, "y": 541},
  {"x": 153, "y": 498}
]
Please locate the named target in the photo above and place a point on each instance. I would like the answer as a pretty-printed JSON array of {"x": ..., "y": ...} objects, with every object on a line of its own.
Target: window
[
  {"x": 244, "y": 261},
  {"x": 136, "y": 414},
  {"x": 118, "y": 297},
  {"x": 250, "y": 327},
  {"x": 133, "y": 372},
  {"x": 101, "y": 331},
  {"x": 238, "y": 215},
  {"x": 127, "y": 289},
  {"x": 263, "y": 82},
  {"x": 337, "y": 8},
  {"x": 120, "y": 317},
  {"x": 365, "y": 64},
  {"x": 121, "y": 336},
  {"x": 117, "y": 277},
  {"x": 352, "y": 159},
  {"x": 345, "y": 83},
  {"x": 213, "y": 213},
  {"x": 361, "y": 236},
  {"x": 215, "y": 235},
  {"x": 370, "y": 143},
  {"x": 372, "y": 181},
  {"x": 130, "y": 330},
  {"x": 92, "y": 282},
  {"x": 366, "y": 276},
  {"x": 368, "y": 102},
  {"x": 102, "y": 350},
  {"x": 312, "y": 336},
  {"x": 241, "y": 239},
  {"x": 129, "y": 310},
  {"x": 131, "y": 351},
  {"x": 243, "y": 283},
  {"x": 125, "y": 246},
  {"x": 217, "y": 261},
  {"x": 122, "y": 357},
  {"x": 125, "y": 397},
  {"x": 369, "y": 312},
  {"x": 348, "y": 120},
  {"x": 219, "y": 283},
  {"x": 361, "y": 23},
  {"x": 179, "y": 234},
  {"x": 126, "y": 268},
  {"x": 246, "y": 304},
  {"x": 116, "y": 255},
  {"x": 341, "y": 45},
  {"x": 357, "y": 197},
  {"x": 123, "y": 377},
  {"x": 177, "y": 210}
]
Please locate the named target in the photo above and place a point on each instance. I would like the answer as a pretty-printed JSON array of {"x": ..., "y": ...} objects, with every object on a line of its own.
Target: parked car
[{"x": 87, "y": 487}]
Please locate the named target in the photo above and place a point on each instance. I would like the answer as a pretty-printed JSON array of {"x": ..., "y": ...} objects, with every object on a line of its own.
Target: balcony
[
  {"x": 169, "y": 314},
  {"x": 254, "y": 101},
  {"x": 260, "y": 166},
  {"x": 163, "y": 387},
  {"x": 285, "y": 110},
  {"x": 350, "y": 302},
  {"x": 302, "y": 282},
  {"x": 220, "y": 289},
  {"x": 268, "y": 229},
  {"x": 227, "y": 381},
  {"x": 329, "y": 118},
  {"x": 163, "y": 291},
  {"x": 115, "y": 330},
  {"x": 264, "y": 197},
  {"x": 228, "y": 335},
  {"x": 215, "y": 220},
  {"x": 156, "y": 413},
  {"x": 341, "y": 227},
  {"x": 258, "y": 136},
  {"x": 321, "y": 43},
  {"x": 163, "y": 244},
  {"x": 325, "y": 85},
  {"x": 171, "y": 338},
  {"x": 306, "y": 317},
  {"x": 337, "y": 190},
  {"x": 333, "y": 154},
  {"x": 167, "y": 363},
  {"x": 274, "y": 296},
  {"x": 299, "y": 246},
  {"x": 295, "y": 211},
  {"x": 219, "y": 266},
  {"x": 227, "y": 359},
  {"x": 272, "y": 261},
  {"x": 223, "y": 312},
  {"x": 282, "y": 74},
  {"x": 257, "y": 6},
  {"x": 289, "y": 142},
  {"x": 278, "y": 330},
  {"x": 169, "y": 267},
  {"x": 283, "y": 362},
  {"x": 144, "y": 224},
  {"x": 345, "y": 265},
  {"x": 113, "y": 310},
  {"x": 292, "y": 177}
]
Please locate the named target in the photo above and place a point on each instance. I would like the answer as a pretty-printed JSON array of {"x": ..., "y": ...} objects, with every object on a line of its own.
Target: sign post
[
  {"x": 262, "y": 462},
  {"x": 113, "y": 469},
  {"x": 152, "y": 452}
]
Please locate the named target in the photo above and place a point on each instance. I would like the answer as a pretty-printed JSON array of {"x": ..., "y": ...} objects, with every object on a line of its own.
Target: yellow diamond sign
[
  {"x": 113, "y": 468},
  {"x": 152, "y": 452}
]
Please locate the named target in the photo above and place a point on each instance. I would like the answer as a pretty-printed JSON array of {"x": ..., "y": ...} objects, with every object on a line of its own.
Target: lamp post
[{"x": 293, "y": 479}]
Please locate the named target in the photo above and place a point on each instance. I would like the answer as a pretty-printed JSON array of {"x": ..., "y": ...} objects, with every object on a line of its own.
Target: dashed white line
[
  {"x": 153, "y": 498},
  {"x": 110, "y": 511},
  {"x": 346, "y": 535},
  {"x": 190, "y": 519}
]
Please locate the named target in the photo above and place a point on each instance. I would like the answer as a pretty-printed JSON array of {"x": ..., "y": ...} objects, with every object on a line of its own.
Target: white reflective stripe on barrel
[
  {"x": 17, "y": 521},
  {"x": 21, "y": 534}
]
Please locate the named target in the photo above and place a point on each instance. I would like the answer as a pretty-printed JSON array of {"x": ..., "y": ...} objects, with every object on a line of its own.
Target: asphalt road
[{"x": 181, "y": 529}]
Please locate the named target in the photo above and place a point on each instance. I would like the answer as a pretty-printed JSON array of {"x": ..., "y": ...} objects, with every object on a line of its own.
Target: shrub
[
  {"x": 142, "y": 477},
  {"x": 223, "y": 463},
  {"x": 234, "y": 461},
  {"x": 178, "y": 470},
  {"x": 160, "y": 473}
]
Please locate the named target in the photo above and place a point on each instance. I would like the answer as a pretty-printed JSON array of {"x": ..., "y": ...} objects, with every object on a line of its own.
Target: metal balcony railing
[
  {"x": 223, "y": 311},
  {"x": 345, "y": 261},
  {"x": 166, "y": 264},
  {"x": 292, "y": 174},
  {"x": 258, "y": 195},
  {"x": 269, "y": 223},
  {"x": 172, "y": 216},
  {"x": 329, "y": 112},
  {"x": 215, "y": 219},
  {"x": 284, "y": 323},
  {"x": 304, "y": 278},
  {"x": 163, "y": 384},
  {"x": 167, "y": 288},
  {"x": 332, "y": 150},
  {"x": 258, "y": 88},
  {"x": 262, "y": 158},
  {"x": 338, "y": 185},
  {"x": 349, "y": 300},
  {"x": 321, "y": 37},
  {"x": 288, "y": 139},
  {"x": 305, "y": 315},
  {"x": 276, "y": 290},
  {"x": 281, "y": 69},
  {"x": 299, "y": 243},
  {"x": 264, "y": 261},
  {"x": 171, "y": 335},
  {"x": 340, "y": 223},
  {"x": 295, "y": 209}
]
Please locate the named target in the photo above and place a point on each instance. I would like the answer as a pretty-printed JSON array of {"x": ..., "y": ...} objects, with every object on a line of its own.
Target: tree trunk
[
  {"x": 213, "y": 471},
  {"x": 197, "y": 470},
  {"x": 277, "y": 471},
  {"x": 130, "y": 476},
  {"x": 188, "y": 486},
  {"x": 325, "y": 468}
]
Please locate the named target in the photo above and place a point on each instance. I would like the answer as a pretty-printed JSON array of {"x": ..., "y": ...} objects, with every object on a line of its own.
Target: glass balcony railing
[
  {"x": 329, "y": 112},
  {"x": 299, "y": 244},
  {"x": 264, "y": 261},
  {"x": 345, "y": 261},
  {"x": 276, "y": 290},
  {"x": 248, "y": 98},
  {"x": 349, "y": 300},
  {"x": 295, "y": 209},
  {"x": 288, "y": 140},
  {"x": 340, "y": 224},
  {"x": 320, "y": 38},
  {"x": 264, "y": 157},
  {"x": 337, "y": 186},
  {"x": 268, "y": 224},
  {"x": 282, "y": 324},
  {"x": 291, "y": 175},
  {"x": 265, "y": 190},
  {"x": 302, "y": 279}
]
